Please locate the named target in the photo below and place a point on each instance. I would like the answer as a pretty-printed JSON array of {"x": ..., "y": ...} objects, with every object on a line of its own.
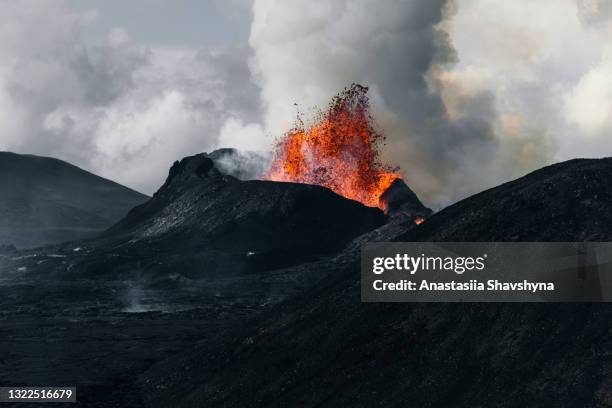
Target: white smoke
[
  {"x": 547, "y": 63},
  {"x": 470, "y": 93},
  {"x": 121, "y": 109},
  {"x": 305, "y": 52},
  {"x": 242, "y": 164}
]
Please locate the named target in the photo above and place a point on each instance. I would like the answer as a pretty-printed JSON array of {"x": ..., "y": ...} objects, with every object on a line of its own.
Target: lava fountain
[{"x": 340, "y": 151}]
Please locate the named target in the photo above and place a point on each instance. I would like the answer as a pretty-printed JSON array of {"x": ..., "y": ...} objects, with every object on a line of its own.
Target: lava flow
[{"x": 340, "y": 151}]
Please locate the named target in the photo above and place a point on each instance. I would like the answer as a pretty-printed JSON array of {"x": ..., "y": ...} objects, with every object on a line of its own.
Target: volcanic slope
[
  {"x": 197, "y": 259},
  {"x": 45, "y": 200},
  {"x": 327, "y": 349},
  {"x": 216, "y": 224}
]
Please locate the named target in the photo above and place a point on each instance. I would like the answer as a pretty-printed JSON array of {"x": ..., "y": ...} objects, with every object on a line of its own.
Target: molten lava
[{"x": 340, "y": 151}]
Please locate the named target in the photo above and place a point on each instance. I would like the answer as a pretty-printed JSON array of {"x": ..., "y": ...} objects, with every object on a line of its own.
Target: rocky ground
[
  {"x": 325, "y": 348},
  {"x": 139, "y": 318},
  {"x": 99, "y": 334},
  {"x": 204, "y": 255}
]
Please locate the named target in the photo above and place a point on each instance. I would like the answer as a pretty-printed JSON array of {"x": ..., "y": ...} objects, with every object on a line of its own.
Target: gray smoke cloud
[
  {"x": 443, "y": 137},
  {"x": 119, "y": 108},
  {"x": 470, "y": 94},
  {"x": 244, "y": 165},
  {"x": 549, "y": 74},
  {"x": 594, "y": 12}
]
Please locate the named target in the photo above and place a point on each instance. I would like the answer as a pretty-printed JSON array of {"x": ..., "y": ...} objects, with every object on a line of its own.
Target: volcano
[
  {"x": 242, "y": 226},
  {"x": 224, "y": 292}
]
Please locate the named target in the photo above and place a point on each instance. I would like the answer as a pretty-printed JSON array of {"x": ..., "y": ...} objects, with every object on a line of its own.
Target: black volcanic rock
[
  {"x": 399, "y": 198},
  {"x": 45, "y": 200},
  {"x": 327, "y": 349},
  {"x": 197, "y": 259},
  {"x": 569, "y": 201},
  {"x": 225, "y": 225}
]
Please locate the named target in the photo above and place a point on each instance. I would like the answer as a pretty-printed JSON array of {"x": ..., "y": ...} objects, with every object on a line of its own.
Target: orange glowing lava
[{"x": 340, "y": 151}]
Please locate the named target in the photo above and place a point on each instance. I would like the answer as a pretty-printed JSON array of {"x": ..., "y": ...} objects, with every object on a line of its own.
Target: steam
[
  {"x": 544, "y": 73},
  {"x": 133, "y": 300},
  {"x": 468, "y": 94},
  {"x": 306, "y": 52},
  {"x": 244, "y": 165},
  {"x": 121, "y": 109}
]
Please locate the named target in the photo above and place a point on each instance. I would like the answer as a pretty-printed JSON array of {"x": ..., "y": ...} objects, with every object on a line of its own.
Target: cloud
[
  {"x": 177, "y": 105},
  {"x": 469, "y": 94},
  {"x": 589, "y": 103},
  {"x": 305, "y": 52},
  {"x": 236, "y": 134},
  {"x": 549, "y": 70},
  {"x": 120, "y": 109},
  {"x": 594, "y": 12}
]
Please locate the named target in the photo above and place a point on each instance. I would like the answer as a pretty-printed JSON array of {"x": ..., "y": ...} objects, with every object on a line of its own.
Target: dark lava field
[{"x": 225, "y": 293}]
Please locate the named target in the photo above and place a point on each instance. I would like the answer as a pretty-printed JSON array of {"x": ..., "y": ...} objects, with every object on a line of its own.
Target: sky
[
  {"x": 470, "y": 93},
  {"x": 192, "y": 23}
]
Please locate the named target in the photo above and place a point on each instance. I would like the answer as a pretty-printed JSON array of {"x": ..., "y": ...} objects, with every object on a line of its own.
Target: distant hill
[{"x": 45, "y": 200}]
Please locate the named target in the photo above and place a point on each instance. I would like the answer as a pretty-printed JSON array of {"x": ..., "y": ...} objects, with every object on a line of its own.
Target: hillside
[
  {"x": 202, "y": 256},
  {"x": 45, "y": 200},
  {"x": 202, "y": 223},
  {"x": 327, "y": 349}
]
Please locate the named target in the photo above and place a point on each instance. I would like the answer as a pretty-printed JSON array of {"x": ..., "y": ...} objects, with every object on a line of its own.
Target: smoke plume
[
  {"x": 470, "y": 94},
  {"x": 121, "y": 109},
  {"x": 467, "y": 93}
]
